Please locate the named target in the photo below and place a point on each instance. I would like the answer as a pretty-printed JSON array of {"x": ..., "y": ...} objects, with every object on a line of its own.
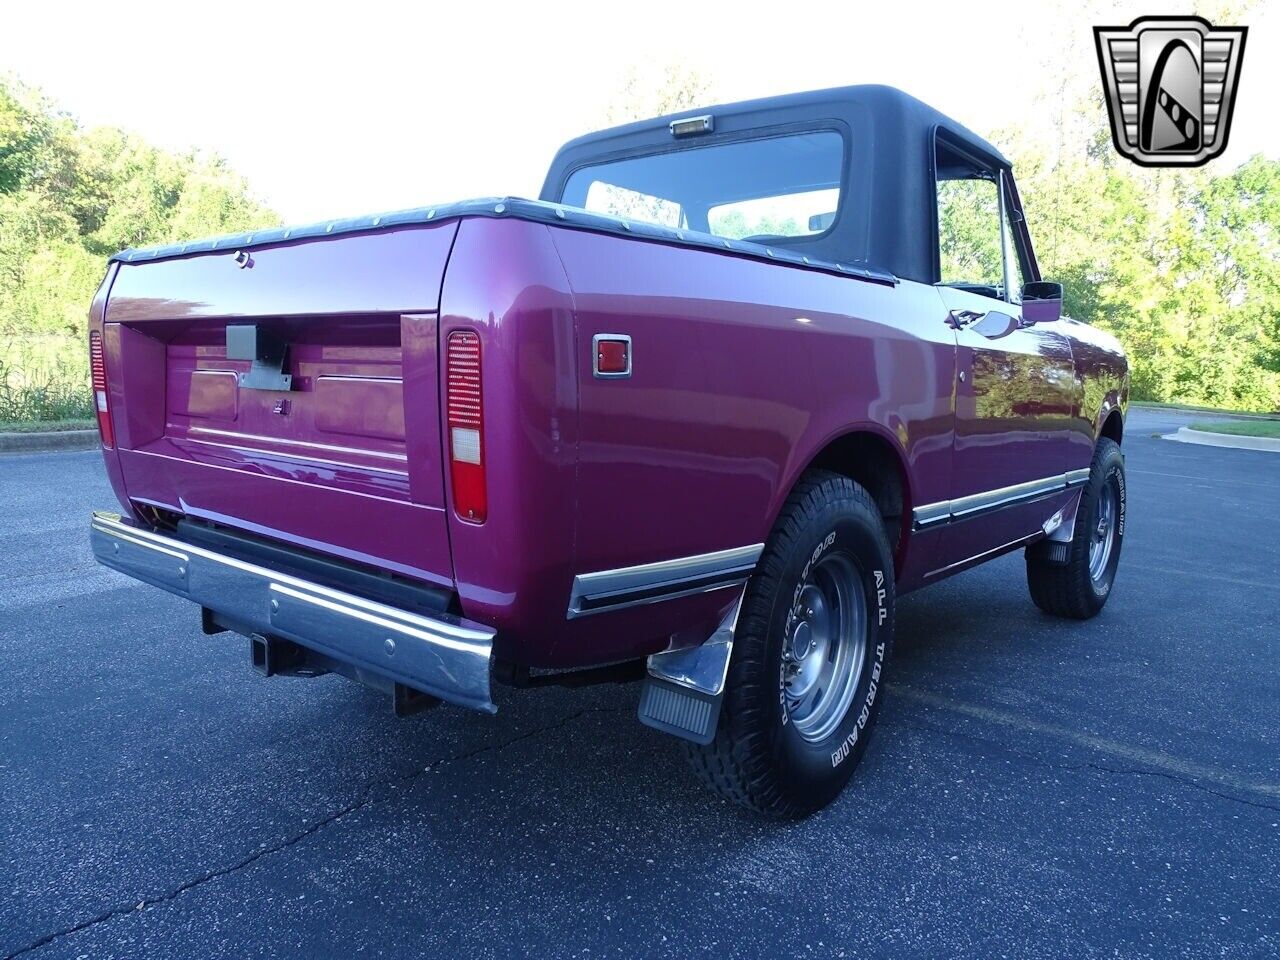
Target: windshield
[{"x": 769, "y": 189}]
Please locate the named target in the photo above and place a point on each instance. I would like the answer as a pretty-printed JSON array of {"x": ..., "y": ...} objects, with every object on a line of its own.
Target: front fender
[{"x": 1102, "y": 370}]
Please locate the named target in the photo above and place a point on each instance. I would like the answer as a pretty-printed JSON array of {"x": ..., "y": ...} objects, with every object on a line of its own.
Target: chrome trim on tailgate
[
  {"x": 608, "y": 590},
  {"x": 439, "y": 654}
]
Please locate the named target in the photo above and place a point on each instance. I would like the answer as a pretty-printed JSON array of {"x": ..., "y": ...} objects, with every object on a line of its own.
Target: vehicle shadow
[{"x": 552, "y": 757}]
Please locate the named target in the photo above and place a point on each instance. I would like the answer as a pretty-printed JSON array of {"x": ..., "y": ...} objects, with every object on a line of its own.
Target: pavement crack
[
  {"x": 368, "y": 795},
  {"x": 1086, "y": 765}
]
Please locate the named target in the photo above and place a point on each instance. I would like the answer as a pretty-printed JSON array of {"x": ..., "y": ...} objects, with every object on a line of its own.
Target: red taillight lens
[
  {"x": 466, "y": 425},
  {"x": 99, "y": 367}
]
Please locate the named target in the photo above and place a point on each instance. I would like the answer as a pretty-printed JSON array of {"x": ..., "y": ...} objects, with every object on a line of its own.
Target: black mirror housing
[{"x": 1041, "y": 301}]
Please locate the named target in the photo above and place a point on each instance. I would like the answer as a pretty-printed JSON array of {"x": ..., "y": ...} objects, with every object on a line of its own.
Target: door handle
[
  {"x": 994, "y": 324},
  {"x": 959, "y": 319}
]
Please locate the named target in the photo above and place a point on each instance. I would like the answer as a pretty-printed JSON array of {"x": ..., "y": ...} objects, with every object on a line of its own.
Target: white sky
[{"x": 342, "y": 109}]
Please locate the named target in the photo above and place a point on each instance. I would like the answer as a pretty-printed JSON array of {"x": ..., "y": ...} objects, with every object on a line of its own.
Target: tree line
[
  {"x": 69, "y": 198},
  {"x": 1182, "y": 265}
]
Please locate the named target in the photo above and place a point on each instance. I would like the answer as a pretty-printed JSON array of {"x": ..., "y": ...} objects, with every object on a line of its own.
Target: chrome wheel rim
[
  {"x": 824, "y": 648},
  {"x": 1103, "y": 533}
]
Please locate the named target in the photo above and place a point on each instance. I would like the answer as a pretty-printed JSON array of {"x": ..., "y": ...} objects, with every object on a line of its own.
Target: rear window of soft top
[{"x": 768, "y": 189}]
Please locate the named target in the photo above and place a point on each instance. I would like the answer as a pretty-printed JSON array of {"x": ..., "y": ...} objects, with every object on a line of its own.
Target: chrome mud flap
[{"x": 684, "y": 688}]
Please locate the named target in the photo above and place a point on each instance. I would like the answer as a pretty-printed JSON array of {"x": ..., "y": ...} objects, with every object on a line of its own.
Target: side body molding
[{"x": 931, "y": 515}]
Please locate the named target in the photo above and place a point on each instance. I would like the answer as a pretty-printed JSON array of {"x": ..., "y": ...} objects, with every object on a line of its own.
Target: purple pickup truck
[{"x": 694, "y": 418}]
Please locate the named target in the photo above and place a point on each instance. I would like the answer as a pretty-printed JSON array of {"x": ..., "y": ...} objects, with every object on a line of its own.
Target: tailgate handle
[{"x": 266, "y": 352}]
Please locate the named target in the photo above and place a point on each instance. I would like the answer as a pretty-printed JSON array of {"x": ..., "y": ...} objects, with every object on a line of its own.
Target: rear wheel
[
  {"x": 809, "y": 654},
  {"x": 1079, "y": 587}
]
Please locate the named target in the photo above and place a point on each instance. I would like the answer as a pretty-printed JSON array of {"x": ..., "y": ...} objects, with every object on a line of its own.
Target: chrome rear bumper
[{"x": 439, "y": 654}]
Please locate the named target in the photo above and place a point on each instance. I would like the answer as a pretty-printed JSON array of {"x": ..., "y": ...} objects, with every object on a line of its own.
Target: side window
[
  {"x": 977, "y": 245},
  {"x": 970, "y": 238}
]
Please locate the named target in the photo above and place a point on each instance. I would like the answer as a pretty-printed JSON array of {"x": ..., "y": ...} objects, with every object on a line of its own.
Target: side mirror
[{"x": 1041, "y": 301}]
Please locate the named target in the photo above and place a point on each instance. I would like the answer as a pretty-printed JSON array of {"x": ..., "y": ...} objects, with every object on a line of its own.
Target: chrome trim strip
[
  {"x": 270, "y": 477},
  {"x": 608, "y": 590},
  {"x": 962, "y": 508},
  {"x": 297, "y": 458},
  {"x": 439, "y": 653},
  {"x": 359, "y": 378},
  {"x": 333, "y": 448},
  {"x": 932, "y": 513},
  {"x": 1005, "y": 496}
]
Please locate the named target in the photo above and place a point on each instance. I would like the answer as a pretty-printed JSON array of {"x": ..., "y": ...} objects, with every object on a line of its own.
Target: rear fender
[{"x": 515, "y": 570}]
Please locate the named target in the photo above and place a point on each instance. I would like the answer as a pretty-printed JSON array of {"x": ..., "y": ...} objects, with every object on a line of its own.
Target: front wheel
[
  {"x": 1079, "y": 587},
  {"x": 813, "y": 639}
]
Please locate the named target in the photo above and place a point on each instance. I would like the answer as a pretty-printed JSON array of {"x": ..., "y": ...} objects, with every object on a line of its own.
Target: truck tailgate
[{"x": 347, "y": 459}]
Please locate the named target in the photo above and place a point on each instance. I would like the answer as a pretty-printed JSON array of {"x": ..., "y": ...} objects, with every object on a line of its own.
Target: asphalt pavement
[{"x": 1035, "y": 788}]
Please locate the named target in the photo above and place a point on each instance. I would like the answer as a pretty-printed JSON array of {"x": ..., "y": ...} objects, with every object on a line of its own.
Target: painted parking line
[
  {"x": 1217, "y": 481},
  {"x": 1203, "y": 575},
  {"x": 1156, "y": 760}
]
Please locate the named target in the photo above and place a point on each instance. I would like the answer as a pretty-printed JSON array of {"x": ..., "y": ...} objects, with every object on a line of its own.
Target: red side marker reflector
[{"x": 612, "y": 356}]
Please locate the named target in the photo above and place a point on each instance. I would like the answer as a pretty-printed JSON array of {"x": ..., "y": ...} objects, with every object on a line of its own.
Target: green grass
[
  {"x": 53, "y": 403},
  {"x": 44, "y": 378},
  {"x": 47, "y": 426},
  {"x": 1242, "y": 428},
  {"x": 1174, "y": 405}
]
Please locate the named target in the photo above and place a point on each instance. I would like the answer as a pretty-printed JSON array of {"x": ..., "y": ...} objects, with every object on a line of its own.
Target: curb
[
  {"x": 1205, "y": 438},
  {"x": 50, "y": 440}
]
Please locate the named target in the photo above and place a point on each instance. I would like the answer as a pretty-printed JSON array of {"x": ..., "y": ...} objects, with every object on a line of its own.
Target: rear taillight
[
  {"x": 466, "y": 425},
  {"x": 99, "y": 367}
]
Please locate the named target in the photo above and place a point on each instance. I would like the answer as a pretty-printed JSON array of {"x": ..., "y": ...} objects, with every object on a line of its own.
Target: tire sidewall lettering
[
  {"x": 823, "y": 546},
  {"x": 878, "y": 591},
  {"x": 842, "y": 752},
  {"x": 1118, "y": 473},
  {"x": 1115, "y": 473}
]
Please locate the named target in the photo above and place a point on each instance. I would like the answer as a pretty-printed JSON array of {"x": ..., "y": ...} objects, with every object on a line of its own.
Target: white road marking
[
  {"x": 1217, "y": 481},
  {"x": 1202, "y": 575},
  {"x": 43, "y": 589},
  {"x": 1127, "y": 752}
]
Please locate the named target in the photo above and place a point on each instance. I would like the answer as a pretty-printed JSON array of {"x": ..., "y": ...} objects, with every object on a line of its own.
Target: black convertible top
[
  {"x": 885, "y": 231},
  {"x": 888, "y": 222}
]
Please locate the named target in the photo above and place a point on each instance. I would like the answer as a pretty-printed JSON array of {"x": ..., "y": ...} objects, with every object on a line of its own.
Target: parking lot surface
[{"x": 1035, "y": 788}]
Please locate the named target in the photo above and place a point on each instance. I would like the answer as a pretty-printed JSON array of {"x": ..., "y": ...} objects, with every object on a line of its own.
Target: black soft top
[
  {"x": 886, "y": 229},
  {"x": 889, "y": 219}
]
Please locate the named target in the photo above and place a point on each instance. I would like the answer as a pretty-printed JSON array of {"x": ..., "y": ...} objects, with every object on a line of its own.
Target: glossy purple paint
[
  {"x": 385, "y": 272},
  {"x": 744, "y": 372}
]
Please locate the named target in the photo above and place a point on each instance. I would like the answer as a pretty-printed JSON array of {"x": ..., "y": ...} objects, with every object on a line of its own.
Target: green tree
[
  {"x": 68, "y": 199},
  {"x": 655, "y": 92}
]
